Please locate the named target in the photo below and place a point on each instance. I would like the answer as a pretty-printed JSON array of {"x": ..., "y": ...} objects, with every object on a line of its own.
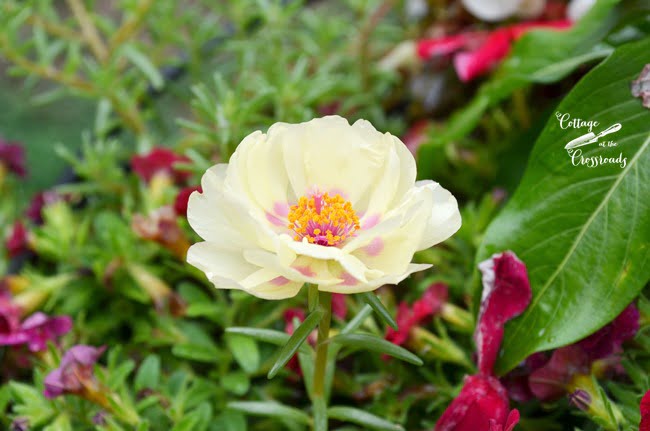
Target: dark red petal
[
  {"x": 506, "y": 294},
  {"x": 549, "y": 382},
  {"x": 12, "y": 156},
  {"x": 405, "y": 323},
  {"x": 611, "y": 337},
  {"x": 645, "y": 404},
  {"x": 180, "y": 204},
  {"x": 645, "y": 412},
  {"x": 481, "y": 400},
  {"x": 17, "y": 241},
  {"x": 158, "y": 160}
]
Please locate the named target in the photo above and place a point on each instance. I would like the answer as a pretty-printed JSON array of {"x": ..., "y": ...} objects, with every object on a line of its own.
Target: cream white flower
[
  {"x": 498, "y": 10},
  {"x": 320, "y": 202}
]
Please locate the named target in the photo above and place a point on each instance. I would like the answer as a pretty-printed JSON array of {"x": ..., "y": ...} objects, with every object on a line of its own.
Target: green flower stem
[{"x": 318, "y": 395}]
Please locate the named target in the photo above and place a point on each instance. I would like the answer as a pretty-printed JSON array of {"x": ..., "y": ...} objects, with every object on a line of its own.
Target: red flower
[
  {"x": 645, "y": 412},
  {"x": 180, "y": 204},
  {"x": 157, "y": 161},
  {"x": 12, "y": 156},
  {"x": 478, "y": 52},
  {"x": 506, "y": 294},
  {"x": 549, "y": 382},
  {"x": 17, "y": 240},
  {"x": 408, "y": 317},
  {"x": 482, "y": 405}
]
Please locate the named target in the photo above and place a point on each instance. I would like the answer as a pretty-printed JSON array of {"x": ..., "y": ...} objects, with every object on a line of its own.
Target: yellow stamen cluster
[{"x": 323, "y": 219}]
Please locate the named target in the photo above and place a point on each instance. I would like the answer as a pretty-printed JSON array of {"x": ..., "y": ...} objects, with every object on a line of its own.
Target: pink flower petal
[
  {"x": 431, "y": 302},
  {"x": 470, "y": 65},
  {"x": 506, "y": 294},
  {"x": 445, "y": 45}
]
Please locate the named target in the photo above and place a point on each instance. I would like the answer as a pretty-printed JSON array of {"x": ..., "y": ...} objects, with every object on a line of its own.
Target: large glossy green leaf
[{"x": 582, "y": 231}]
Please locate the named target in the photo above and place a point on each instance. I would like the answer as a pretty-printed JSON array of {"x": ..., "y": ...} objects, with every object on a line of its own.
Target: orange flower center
[{"x": 323, "y": 219}]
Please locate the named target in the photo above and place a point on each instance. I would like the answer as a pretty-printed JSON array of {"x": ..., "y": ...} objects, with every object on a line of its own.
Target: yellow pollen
[{"x": 323, "y": 219}]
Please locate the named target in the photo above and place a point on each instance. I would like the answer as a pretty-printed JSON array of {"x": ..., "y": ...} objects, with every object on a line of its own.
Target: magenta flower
[
  {"x": 17, "y": 241},
  {"x": 10, "y": 333},
  {"x": 40, "y": 328},
  {"x": 75, "y": 374},
  {"x": 550, "y": 381},
  {"x": 645, "y": 412},
  {"x": 159, "y": 160},
  {"x": 476, "y": 53},
  {"x": 12, "y": 157},
  {"x": 424, "y": 308},
  {"x": 482, "y": 404},
  {"x": 35, "y": 331}
]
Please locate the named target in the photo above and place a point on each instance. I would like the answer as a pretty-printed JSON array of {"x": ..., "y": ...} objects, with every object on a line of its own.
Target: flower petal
[
  {"x": 223, "y": 267},
  {"x": 444, "y": 220},
  {"x": 492, "y": 10},
  {"x": 506, "y": 294}
]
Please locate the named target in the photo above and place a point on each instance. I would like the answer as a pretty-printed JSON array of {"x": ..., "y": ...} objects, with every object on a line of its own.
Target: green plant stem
[
  {"x": 88, "y": 30},
  {"x": 320, "y": 366}
]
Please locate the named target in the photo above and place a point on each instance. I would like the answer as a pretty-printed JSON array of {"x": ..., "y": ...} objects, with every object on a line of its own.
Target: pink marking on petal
[
  {"x": 281, "y": 209},
  {"x": 274, "y": 220},
  {"x": 375, "y": 247},
  {"x": 348, "y": 280},
  {"x": 305, "y": 270},
  {"x": 370, "y": 221},
  {"x": 280, "y": 281}
]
